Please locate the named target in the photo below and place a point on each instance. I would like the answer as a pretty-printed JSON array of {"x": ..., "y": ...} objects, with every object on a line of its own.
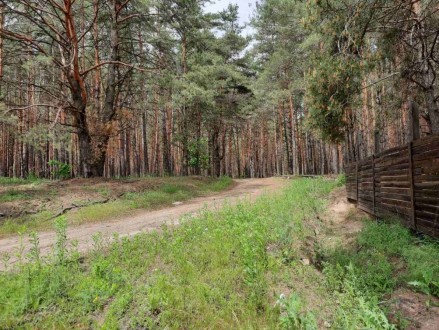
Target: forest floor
[
  {"x": 122, "y": 223},
  {"x": 297, "y": 257}
]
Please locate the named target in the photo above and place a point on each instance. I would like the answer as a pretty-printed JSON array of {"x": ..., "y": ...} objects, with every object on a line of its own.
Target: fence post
[
  {"x": 373, "y": 184},
  {"x": 412, "y": 187},
  {"x": 415, "y": 132},
  {"x": 377, "y": 141}
]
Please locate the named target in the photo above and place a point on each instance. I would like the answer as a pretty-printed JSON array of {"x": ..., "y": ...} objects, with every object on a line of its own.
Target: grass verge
[
  {"x": 175, "y": 190},
  {"x": 172, "y": 190}
]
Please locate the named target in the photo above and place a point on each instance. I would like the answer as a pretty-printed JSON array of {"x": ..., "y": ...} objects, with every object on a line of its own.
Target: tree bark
[
  {"x": 1, "y": 50},
  {"x": 433, "y": 109}
]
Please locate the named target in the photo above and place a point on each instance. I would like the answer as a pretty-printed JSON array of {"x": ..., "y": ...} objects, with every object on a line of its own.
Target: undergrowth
[{"x": 386, "y": 257}]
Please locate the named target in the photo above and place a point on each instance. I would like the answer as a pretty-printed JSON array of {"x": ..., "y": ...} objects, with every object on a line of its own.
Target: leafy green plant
[
  {"x": 61, "y": 239},
  {"x": 198, "y": 154},
  {"x": 387, "y": 237},
  {"x": 391, "y": 240},
  {"x": 357, "y": 307},
  {"x": 427, "y": 285},
  {"x": 373, "y": 269},
  {"x": 423, "y": 269},
  {"x": 386, "y": 255},
  {"x": 34, "y": 253},
  {"x": 294, "y": 318},
  {"x": 60, "y": 170}
]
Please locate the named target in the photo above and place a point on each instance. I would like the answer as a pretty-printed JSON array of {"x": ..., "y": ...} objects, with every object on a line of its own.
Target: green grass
[
  {"x": 221, "y": 184},
  {"x": 19, "y": 181},
  {"x": 386, "y": 256},
  {"x": 11, "y": 195},
  {"x": 26, "y": 223},
  {"x": 214, "y": 271}
]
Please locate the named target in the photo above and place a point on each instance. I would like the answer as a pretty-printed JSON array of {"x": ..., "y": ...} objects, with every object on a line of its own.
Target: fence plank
[
  {"x": 412, "y": 186},
  {"x": 402, "y": 181}
]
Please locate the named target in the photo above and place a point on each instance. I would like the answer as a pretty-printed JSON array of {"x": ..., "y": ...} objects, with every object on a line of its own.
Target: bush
[
  {"x": 59, "y": 169},
  {"x": 423, "y": 267}
]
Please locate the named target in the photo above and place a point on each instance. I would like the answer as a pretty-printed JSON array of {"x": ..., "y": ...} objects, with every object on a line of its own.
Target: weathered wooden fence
[{"x": 402, "y": 181}]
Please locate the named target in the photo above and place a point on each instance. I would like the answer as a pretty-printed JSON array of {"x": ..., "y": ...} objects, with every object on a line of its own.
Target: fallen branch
[{"x": 75, "y": 206}]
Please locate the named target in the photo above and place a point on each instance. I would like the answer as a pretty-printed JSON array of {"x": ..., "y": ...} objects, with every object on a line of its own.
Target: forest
[{"x": 161, "y": 87}]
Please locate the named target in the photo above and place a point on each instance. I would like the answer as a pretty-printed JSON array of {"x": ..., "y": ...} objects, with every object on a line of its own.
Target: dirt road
[{"x": 145, "y": 221}]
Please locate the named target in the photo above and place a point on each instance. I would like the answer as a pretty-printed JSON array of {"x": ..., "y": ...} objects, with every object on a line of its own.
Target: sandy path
[{"x": 144, "y": 221}]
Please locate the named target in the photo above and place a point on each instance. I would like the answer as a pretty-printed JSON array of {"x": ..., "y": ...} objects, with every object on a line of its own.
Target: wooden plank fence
[{"x": 402, "y": 181}]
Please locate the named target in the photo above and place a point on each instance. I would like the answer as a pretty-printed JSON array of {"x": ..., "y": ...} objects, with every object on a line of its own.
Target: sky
[{"x": 246, "y": 8}]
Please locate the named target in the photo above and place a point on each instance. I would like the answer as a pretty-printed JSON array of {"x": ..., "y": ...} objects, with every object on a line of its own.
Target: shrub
[{"x": 59, "y": 169}]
